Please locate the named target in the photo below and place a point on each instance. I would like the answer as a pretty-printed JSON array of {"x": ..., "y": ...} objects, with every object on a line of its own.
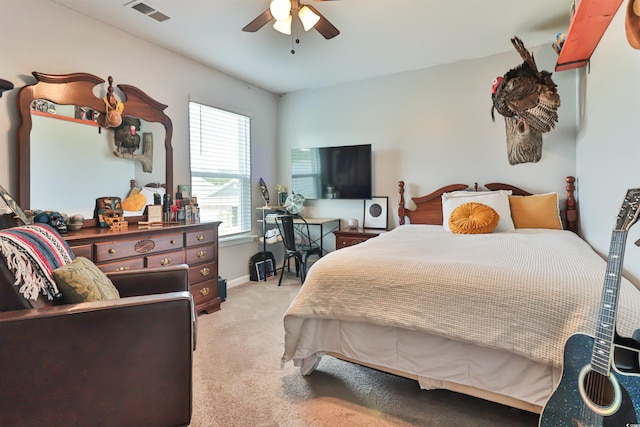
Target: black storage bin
[
  {"x": 222, "y": 288},
  {"x": 261, "y": 266}
]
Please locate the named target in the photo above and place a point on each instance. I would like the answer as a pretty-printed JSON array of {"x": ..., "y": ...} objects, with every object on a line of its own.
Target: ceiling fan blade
[
  {"x": 259, "y": 22},
  {"x": 323, "y": 26}
]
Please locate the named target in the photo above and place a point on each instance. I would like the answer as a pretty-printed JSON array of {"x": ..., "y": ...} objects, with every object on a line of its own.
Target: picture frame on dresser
[
  {"x": 376, "y": 213},
  {"x": 154, "y": 213}
]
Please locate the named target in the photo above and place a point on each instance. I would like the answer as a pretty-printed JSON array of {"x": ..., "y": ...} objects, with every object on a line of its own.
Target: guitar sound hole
[{"x": 599, "y": 389}]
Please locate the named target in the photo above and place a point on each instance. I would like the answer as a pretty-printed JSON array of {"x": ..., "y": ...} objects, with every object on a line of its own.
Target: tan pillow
[
  {"x": 473, "y": 218},
  {"x": 82, "y": 281},
  {"x": 536, "y": 211}
]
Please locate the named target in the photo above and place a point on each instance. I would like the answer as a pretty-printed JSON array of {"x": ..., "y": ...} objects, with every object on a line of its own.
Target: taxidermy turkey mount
[
  {"x": 127, "y": 140},
  {"x": 323, "y": 26},
  {"x": 529, "y": 101}
]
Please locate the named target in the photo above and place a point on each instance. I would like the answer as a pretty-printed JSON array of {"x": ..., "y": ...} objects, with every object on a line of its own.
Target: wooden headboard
[{"x": 429, "y": 208}]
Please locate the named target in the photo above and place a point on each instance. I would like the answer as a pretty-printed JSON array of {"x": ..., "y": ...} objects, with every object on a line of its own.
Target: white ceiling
[{"x": 377, "y": 37}]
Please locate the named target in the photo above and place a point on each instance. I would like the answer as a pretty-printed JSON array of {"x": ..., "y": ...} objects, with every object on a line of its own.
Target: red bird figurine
[{"x": 526, "y": 93}]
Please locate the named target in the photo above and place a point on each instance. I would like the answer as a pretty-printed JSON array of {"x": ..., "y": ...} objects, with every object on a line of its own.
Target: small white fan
[{"x": 294, "y": 203}]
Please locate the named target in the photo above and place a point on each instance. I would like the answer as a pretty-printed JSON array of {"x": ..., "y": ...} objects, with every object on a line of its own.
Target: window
[
  {"x": 305, "y": 172},
  {"x": 219, "y": 145}
]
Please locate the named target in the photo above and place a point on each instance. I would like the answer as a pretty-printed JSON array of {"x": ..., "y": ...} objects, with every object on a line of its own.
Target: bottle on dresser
[{"x": 166, "y": 208}]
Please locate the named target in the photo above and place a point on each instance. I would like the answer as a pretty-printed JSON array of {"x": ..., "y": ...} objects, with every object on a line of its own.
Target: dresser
[
  {"x": 171, "y": 244},
  {"x": 346, "y": 238}
]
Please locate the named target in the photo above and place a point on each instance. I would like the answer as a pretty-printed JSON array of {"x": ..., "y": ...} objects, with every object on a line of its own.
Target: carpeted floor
[{"x": 238, "y": 381}]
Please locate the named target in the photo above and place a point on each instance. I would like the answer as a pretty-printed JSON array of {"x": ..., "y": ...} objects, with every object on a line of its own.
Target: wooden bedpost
[
  {"x": 572, "y": 213},
  {"x": 401, "y": 202}
]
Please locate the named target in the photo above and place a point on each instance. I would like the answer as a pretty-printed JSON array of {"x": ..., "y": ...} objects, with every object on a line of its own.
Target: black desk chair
[{"x": 300, "y": 251}]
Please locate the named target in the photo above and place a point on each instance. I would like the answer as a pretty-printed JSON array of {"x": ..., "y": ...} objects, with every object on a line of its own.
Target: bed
[{"x": 481, "y": 314}]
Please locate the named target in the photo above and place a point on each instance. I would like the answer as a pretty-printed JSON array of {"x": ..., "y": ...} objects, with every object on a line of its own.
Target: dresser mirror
[{"x": 66, "y": 161}]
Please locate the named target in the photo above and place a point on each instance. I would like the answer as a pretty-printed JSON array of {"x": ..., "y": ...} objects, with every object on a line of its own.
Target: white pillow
[{"x": 498, "y": 200}]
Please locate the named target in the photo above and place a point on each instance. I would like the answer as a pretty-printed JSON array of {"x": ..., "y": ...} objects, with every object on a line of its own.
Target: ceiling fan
[{"x": 284, "y": 10}]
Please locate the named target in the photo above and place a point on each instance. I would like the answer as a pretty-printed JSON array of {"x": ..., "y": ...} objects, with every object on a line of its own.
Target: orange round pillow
[{"x": 473, "y": 218}]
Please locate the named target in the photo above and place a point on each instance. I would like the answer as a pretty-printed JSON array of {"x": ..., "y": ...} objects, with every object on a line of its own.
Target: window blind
[{"x": 220, "y": 153}]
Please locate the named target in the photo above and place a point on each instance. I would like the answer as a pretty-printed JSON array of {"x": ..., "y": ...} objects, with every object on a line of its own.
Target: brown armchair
[{"x": 123, "y": 362}]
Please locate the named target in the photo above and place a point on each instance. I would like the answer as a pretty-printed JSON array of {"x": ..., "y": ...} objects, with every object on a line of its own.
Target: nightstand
[{"x": 352, "y": 237}]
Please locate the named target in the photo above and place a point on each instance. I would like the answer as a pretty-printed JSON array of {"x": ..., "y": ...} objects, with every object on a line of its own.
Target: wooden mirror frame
[{"x": 77, "y": 89}]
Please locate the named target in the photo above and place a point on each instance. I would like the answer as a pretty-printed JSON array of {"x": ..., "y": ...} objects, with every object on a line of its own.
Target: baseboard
[{"x": 238, "y": 281}]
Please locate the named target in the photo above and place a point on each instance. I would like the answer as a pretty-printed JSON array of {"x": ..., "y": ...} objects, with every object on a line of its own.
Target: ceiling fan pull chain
[{"x": 293, "y": 51}]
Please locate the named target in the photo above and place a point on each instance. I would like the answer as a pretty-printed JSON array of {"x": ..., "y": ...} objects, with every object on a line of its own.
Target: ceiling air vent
[
  {"x": 145, "y": 9},
  {"x": 158, "y": 16}
]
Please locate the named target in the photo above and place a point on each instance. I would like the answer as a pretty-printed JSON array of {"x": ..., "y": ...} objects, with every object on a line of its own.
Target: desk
[
  {"x": 312, "y": 222},
  {"x": 320, "y": 222}
]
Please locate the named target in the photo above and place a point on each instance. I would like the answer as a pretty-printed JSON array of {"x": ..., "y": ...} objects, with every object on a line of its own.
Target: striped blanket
[{"x": 32, "y": 252}]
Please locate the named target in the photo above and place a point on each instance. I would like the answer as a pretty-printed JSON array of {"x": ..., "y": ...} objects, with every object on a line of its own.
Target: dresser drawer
[
  {"x": 165, "y": 259},
  {"x": 345, "y": 238},
  {"x": 200, "y": 254},
  {"x": 127, "y": 248},
  {"x": 122, "y": 265},
  {"x": 83, "y": 251},
  {"x": 205, "y": 291},
  {"x": 202, "y": 272},
  {"x": 194, "y": 238},
  {"x": 343, "y": 242}
]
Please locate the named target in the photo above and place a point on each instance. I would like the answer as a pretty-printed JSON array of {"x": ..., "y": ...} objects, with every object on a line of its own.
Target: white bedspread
[{"x": 525, "y": 291}]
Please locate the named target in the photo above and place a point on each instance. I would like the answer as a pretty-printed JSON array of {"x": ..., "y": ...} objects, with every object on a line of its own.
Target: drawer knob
[
  {"x": 112, "y": 251},
  {"x": 173, "y": 241},
  {"x": 165, "y": 262},
  {"x": 204, "y": 292},
  {"x": 123, "y": 268},
  {"x": 201, "y": 254},
  {"x": 205, "y": 271},
  {"x": 200, "y": 237}
]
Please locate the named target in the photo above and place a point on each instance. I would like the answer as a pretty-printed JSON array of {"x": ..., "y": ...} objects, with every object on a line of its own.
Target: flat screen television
[{"x": 342, "y": 172}]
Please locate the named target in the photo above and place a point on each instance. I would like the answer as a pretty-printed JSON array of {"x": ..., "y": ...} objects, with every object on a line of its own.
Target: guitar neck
[{"x": 605, "y": 330}]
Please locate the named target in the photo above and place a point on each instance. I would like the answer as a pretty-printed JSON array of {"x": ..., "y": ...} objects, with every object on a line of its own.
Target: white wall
[
  {"x": 39, "y": 35},
  {"x": 608, "y": 146},
  {"x": 430, "y": 128}
]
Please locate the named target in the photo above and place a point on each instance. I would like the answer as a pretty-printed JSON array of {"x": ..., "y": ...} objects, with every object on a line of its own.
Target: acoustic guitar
[{"x": 600, "y": 383}]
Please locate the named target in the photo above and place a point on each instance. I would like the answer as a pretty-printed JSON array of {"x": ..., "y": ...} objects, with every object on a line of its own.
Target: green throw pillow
[{"x": 82, "y": 281}]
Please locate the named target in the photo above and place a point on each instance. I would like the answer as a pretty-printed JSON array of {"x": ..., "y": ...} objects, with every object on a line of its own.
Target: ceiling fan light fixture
[
  {"x": 283, "y": 25},
  {"x": 308, "y": 18},
  {"x": 280, "y": 9}
]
